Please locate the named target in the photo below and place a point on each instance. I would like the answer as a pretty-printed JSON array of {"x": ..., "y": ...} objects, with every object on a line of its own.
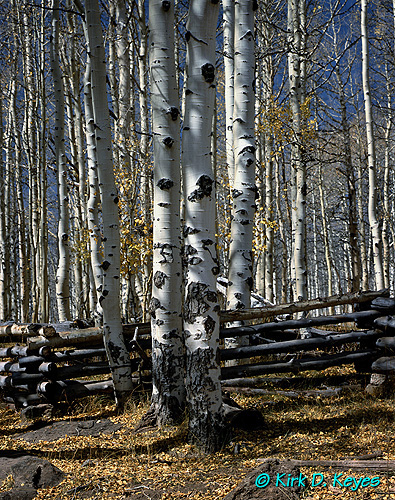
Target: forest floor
[{"x": 160, "y": 465}]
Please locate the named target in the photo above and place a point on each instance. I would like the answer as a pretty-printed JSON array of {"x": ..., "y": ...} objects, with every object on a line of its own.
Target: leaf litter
[{"x": 161, "y": 465}]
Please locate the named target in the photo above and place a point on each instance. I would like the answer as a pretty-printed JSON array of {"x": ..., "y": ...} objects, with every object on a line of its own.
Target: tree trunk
[
  {"x": 168, "y": 396},
  {"x": 296, "y": 85},
  {"x": 372, "y": 204},
  {"x": 244, "y": 189},
  {"x": 62, "y": 276},
  {"x": 201, "y": 320},
  {"x": 118, "y": 355}
]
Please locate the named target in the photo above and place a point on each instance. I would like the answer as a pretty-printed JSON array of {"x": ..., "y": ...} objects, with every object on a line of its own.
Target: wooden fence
[{"x": 53, "y": 363}]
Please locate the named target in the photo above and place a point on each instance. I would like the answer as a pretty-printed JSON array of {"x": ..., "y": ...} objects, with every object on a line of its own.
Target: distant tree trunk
[
  {"x": 351, "y": 187},
  {"x": 201, "y": 319},
  {"x": 93, "y": 201},
  {"x": 296, "y": 86},
  {"x": 62, "y": 276},
  {"x": 3, "y": 229},
  {"x": 118, "y": 355},
  {"x": 124, "y": 82},
  {"x": 229, "y": 27},
  {"x": 168, "y": 395},
  {"x": 372, "y": 203},
  {"x": 386, "y": 187},
  {"x": 43, "y": 242},
  {"x": 144, "y": 150}
]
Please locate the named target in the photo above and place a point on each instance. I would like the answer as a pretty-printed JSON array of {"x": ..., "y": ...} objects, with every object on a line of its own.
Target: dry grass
[{"x": 160, "y": 464}]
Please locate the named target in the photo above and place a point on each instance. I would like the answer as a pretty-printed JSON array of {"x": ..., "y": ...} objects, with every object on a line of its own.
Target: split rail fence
[{"x": 54, "y": 363}]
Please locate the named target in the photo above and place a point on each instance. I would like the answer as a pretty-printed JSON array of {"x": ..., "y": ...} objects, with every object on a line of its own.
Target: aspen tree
[
  {"x": 201, "y": 308},
  {"x": 62, "y": 276},
  {"x": 124, "y": 116},
  {"x": 168, "y": 395},
  {"x": 243, "y": 188},
  {"x": 372, "y": 202},
  {"x": 117, "y": 354},
  {"x": 296, "y": 85},
  {"x": 3, "y": 235},
  {"x": 43, "y": 241},
  {"x": 229, "y": 31}
]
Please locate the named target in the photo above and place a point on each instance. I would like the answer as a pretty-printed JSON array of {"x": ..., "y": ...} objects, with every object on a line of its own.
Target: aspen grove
[{"x": 162, "y": 160}]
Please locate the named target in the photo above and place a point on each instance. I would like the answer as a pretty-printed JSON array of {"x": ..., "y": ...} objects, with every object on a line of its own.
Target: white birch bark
[
  {"x": 117, "y": 354},
  {"x": 62, "y": 275},
  {"x": 372, "y": 201},
  {"x": 201, "y": 319},
  {"x": 168, "y": 394}
]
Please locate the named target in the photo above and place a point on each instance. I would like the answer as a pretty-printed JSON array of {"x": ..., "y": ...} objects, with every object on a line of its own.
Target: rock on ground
[
  {"x": 28, "y": 473},
  {"x": 248, "y": 490},
  {"x": 58, "y": 430}
]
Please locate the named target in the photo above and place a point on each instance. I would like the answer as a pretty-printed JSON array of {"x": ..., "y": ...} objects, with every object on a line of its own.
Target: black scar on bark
[
  {"x": 244, "y": 222},
  {"x": 159, "y": 279},
  {"x": 168, "y": 141},
  {"x": 165, "y": 183},
  {"x": 250, "y": 282},
  {"x": 188, "y": 92},
  {"x": 195, "y": 304},
  {"x": 174, "y": 112},
  {"x": 173, "y": 334},
  {"x": 65, "y": 237},
  {"x": 114, "y": 350},
  {"x": 236, "y": 193},
  {"x": 187, "y": 230},
  {"x": 105, "y": 265},
  {"x": 304, "y": 190},
  {"x": 164, "y": 204},
  {"x": 187, "y": 128},
  {"x": 248, "y": 149},
  {"x": 166, "y": 5},
  {"x": 115, "y": 200},
  {"x": 105, "y": 293},
  {"x": 254, "y": 5},
  {"x": 209, "y": 325},
  {"x": 187, "y": 36},
  {"x": 193, "y": 261},
  {"x": 153, "y": 306},
  {"x": 237, "y": 295},
  {"x": 208, "y": 72},
  {"x": 239, "y": 305},
  {"x": 205, "y": 187},
  {"x": 215, "y": 270},
  {"x": 211, "y": 296},
  {"x": 189, "y": 250},
  {"x": 207, "y": 242},
  {"x": 160, "y": 322},
  {"x": 166, "y": 252},
  {"x": 254, "y": 189}
]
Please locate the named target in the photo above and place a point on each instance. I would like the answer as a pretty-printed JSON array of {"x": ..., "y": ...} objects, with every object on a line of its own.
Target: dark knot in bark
[
  {"x": 174, "y": 113},
  {"x": 165, "y": 183},
  {"x": 168, "y": 141},
  {"x": 166, "y": 5},
  {"x": 205, "y": 187},
  {"x": 208, "y": 72}
]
